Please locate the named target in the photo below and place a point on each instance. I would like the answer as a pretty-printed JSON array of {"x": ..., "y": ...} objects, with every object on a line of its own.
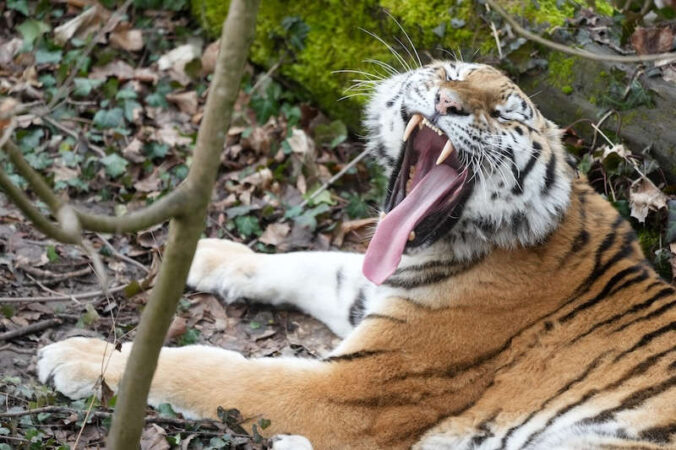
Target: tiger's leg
[
  {"x": 297, "y": 395},
  {"x": 326, "y": 285}
]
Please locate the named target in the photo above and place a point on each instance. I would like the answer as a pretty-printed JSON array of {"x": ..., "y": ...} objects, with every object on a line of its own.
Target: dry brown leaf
[
  {"x": 669, "y": 73},
  {"x": 170, "y": 136},
  {"x": 81, "y": 26},
  {"x": 174, "y": 61},
  {"x": 154, "y": 438},
  {"x": 275, "y": 234},
  {"x": 151, "y": 183},
  {"x": 260, "y": 179},
  {"x": 643, "y": 197},
  {"x": 63, "y": 173},
  {"x": 127, "y": 38},
  {"x": 209, "y": 57},
  {"x": 652, "y": 40},
  {"x": 300, "y": 142},
  {"x": 186, "y": 101},
  {"x": 8, "y": 50},
  {"x": 118, "y": 69},
  {"x": 177, "y": 328},
  {"x": 132, "y": 152},
  {"x": 619, "y": 149}
]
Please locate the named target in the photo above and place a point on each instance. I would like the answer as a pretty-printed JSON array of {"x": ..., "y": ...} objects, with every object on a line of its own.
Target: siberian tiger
[{"x": 502, "y": 303}]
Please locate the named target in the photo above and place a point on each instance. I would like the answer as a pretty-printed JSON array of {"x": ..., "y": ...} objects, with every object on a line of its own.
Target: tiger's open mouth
[{"x": 425, "y": 189}]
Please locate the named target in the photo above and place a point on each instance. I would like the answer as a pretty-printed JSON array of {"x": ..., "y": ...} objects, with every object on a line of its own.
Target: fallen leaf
[
  {"x": 275, "y": 234},
  {"x": 127, "y": 38},
  {"x": 154, "y": 438},
  {"x": 151, "y": 183},
  {"x": 652, "y": 40},
  {"x": 209, "y": 57},
  {"x": 63, "y": 173},
  {"x": 81, "y": 26},
  {"x": 644, "y": 197},
  {"x": 132, "y": 152},
  {"x": 186, "y": 101},
  {"x": 8, "y": 50},
  {"x": 177, "y": 328},
  {"x": 174, "y": 61},
  {"x": 118, "y": 69},
  {"x": 170, "y": 136}
]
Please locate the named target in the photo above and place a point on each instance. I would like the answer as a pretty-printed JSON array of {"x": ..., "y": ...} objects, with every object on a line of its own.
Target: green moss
[
  {"x": 567, "y": 89},
  {"x": 561, "y": 73}
]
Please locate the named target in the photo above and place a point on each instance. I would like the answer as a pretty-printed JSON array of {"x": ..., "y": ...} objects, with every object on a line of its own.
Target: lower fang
[
  {"x": 382, "y": 215},
  {"x": 411, "y": 235}
]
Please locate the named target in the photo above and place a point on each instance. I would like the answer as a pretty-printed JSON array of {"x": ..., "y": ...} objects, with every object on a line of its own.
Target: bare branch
[
  {"x": 185, "y": 229},
  {"x": 82, "y": 296},
  {"x": 36, "y": 182},
  {"x": 26, "y": 206},
  {"x": 574, "y": 51}
]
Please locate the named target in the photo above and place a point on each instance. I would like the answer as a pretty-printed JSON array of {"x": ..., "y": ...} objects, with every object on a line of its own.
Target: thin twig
[
  {"x": 175, "y": 421},
  {"x": 574, "y": 51},
  {"x": 43, "y": 224},
  {"x": 29, "y": 329},
  {"x": 120, "y": 255},
  {"x": 334, "y": 178},
  {"x": 98, "y": 150},
  {"x": 51, "y": 291},
  {"x": 82, "y": 296}
]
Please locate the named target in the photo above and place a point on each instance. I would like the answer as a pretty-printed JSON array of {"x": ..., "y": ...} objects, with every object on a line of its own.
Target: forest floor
[{"x": 118, "y": 136}]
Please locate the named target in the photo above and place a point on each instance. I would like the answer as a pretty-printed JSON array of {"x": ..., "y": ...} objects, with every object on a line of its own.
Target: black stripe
[
  {"x": 550, "y": 174},
  {"x": 537, "y": 150},
  {"x": 635, "y": 308},
  {"x": 661, "y": 435},
  {"x": 604, "y": 292},
  {"x": 428, "y": 265},
  {"x": 658, "y": 312},
  {"x": 384, "y": 317},
  {"x": 648, "y": 338},
  {"x": 361, "y": 354},
  {"x": 340, "y": 276},
  {"x": 357, "y": 309},
  {"x": 590, "y": 367},
  {"x": 416, "y": 282},
  {"x": 632, "y": 401}
]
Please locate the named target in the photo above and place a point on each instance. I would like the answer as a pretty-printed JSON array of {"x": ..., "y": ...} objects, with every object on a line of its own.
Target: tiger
[{"x": 501, "y": 303}]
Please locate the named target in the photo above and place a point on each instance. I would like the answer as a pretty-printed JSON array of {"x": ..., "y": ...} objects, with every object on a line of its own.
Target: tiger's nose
[{"x": 447, "y": 103}]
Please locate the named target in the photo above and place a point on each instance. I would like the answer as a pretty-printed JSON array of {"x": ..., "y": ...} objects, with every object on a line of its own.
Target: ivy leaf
[
  {"x": 19, "y": 5},
  {"x": 109, "y": 118},
  {"x": 32, "y": 29},
  {"x": 166, "y": 410},
  {"x": 47, "y": 57},
  {"x": 84, "y": 86},
  {"x": 248, "y": 226},
  {"x": 115, "y": 165}
]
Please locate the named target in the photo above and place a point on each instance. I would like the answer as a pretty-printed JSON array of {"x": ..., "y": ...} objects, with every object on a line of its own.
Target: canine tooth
[
  {"x": 446, "y": 152},
  {"x": 415, "y": 120},
  {"x": 411, "y": 235},
  {"x": 382, "y": 215}
]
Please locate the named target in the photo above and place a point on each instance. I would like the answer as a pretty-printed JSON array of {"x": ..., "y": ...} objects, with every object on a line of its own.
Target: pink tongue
[{"x": 386, "y": 247}]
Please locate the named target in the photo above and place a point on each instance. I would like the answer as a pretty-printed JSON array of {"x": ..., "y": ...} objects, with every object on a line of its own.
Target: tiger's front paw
[
  {"x": 290, "y": 442},
  {"x": 223, "y": 267},
  {"x": 73, "y": 366}
]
